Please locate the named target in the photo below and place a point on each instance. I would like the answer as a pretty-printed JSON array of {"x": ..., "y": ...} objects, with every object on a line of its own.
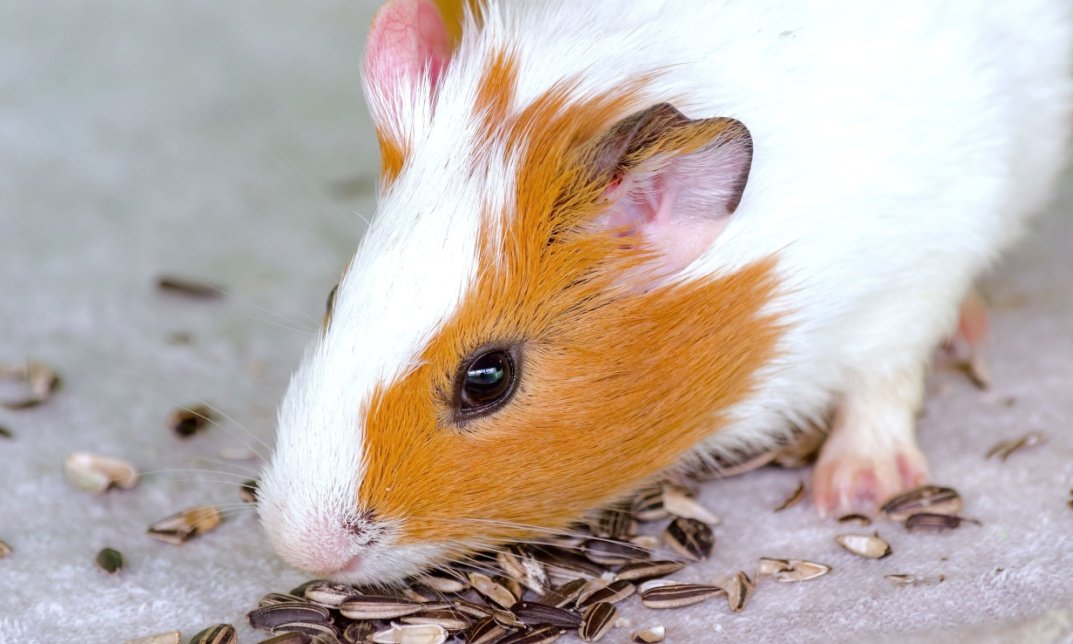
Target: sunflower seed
[
  {"x": 5, "y": 550},
  {"x": 690, "y": 538},
  {"x": 448, "y": 618},
  {"x": 188, "y": 287},
  {"x": 612, "y": 553},
  {"x": 487, "y": 631},
  {"x": 656, "y": 583},
  {"x": 613, "y": 593},
  {"x": 564, "y": 566},
  {"x": 269, "y": 617},
  {"x": 187, "y": 421},
  {"x": 382, "y": 607},
  {"x": 288, "y": 638},
  {"x": 680, "y": 502},
  {"x": 271, "y": 599},
  {"x": 171, "y": 637},
  {"x": 536, "y": 614},
  {"x": 910, "y": 580},
  {"x": 300, "y": 589},
  {"x": 932, "y": 522},
  {"x": 492, "y": 590},
  {"x": 411, "y": 634},
  {"x": 870, "y": 546},
  {"x": 248, "y": 491},
  {"x": 542, "y": 635},
  {"x": 96, "y": 473},
  {"x": 313, "y": 629},
  {"x": 40, "y": 380},
  {"x": 649, "y": 635},
  {"x": 647, "y": 541},
  {"x": 510, "y": 584},
  {"x": 1003, "y": 449},
  {"x": 926, "y": 498},
  {"x": 644, "y": 570},
  {"x": 357, "y": 632},
  {"x": 794, "y": 498},
  {"x": 648, "y": 505},
  {"x": 598, "y": 620},
  {"x": 564, "y": 594},
  {"x": 328, "y": 593},
  {"x": 325, "y": 638},
  {"x": 5, "y": 432},
  {"x": 109, "y": 560},
  {"x": 678, "y": 595},
  {"x": 506, "y": 618},
  {"x": 855, "y": 519},
  {"x": 614, "y": 523},
  {"x": 526, "y": 569},
  {"x": 739, "y": 589},
  {"x": 183, "y": 526},
  {"x": 218, "y": 634},
  {"x": 413, "y": 595},
  {"x": 790, "y": 570},
  {"x": 471, "y": 609}
]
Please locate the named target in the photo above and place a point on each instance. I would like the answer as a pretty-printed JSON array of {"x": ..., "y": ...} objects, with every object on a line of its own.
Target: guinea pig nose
[{"x": 360, "y": 525}]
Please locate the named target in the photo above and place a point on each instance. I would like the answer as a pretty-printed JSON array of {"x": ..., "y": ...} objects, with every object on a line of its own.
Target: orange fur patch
[
  {"x": 392, "y": 157},
  {"x": 616, "y": 383}
]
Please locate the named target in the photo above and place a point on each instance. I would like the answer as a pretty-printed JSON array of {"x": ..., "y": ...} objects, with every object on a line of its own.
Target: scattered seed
[
  {"x": 184, "y": 526},
  {"x": 932, "y": 522},
  {"x": 614, "y": 523},
  {"x": 645, "y": 570},
  {"x": 187, "y": 421},
  {"x": 109, "y": 560},
  {"x": 472, "y": 609},
  {"x": 612, "y": 593},
  {"x": 675, "y": 595},
  {"x": 870, "y": 546},
  {"x": 648, "y": 505},
  {"x": 288, "y": 638},
  {"x": 40, "y": 380},
  {"x": 95, "y": 473},
  {"x": 1003, "y": 449},
  {"x": 188, "y": 287},
  {"x": 5, "y": 432},
  {"x": 647, "y": 541},
  {"x": 357, "y": 632},
  {"x": 926, "y": 498},
  {"x": 790, "y": 570},
  {"x": 542, "y": 635},
  {"x": 313, "y": 629},
  {"x": 487, "y": 631},
  {"x": 5, "y": 550},
  {"x": 794, "y": 498},
  {"x": 218, "y": 634},
  {"x": 248, "y": 491},
  {"x": 655, "y": 583},
  {"x": 442, "y": 582},
  {"x": 739, "y": 589},
  {"x": 448, "y": 618},
  {"x": 171, "y": 637},
  {"x": 612, "y": 553},
  {"x": 564, "y": 594},
  {"x": 411, "y": 634},
  {"x": 382, "y": 607},
  {"x": 268, "y": 618},
  {"x": 272, "y": 599},
  {"x": 690, "y": 538},
  {"x": 680, "y": 502},
  {"x": 649, "y": 635},
  {"x": 563, "y": 566},
  {"x": 537, "y": 614},
  {"x": 492, "y": 590},
  {"x": 910, "y": 580},
  {"x": 598, "y": 621},
  {"x": 328, "y": 593},
  {"x": 855, "y": 519}
]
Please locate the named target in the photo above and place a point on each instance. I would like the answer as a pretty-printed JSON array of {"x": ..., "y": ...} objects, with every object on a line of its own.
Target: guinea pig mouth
[{"x": 387, "y": 563}]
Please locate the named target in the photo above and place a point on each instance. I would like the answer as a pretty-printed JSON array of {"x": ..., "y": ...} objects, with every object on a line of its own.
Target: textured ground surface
[{"x": 228, "y": 141}]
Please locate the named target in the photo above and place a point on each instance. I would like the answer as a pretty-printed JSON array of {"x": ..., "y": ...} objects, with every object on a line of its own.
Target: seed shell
[
  {"x": 217, "y": 634},
  {"x": 739, "y": 589},
  {"x": 614, "y": 523},
  {"x": 450, "y": 619},
  {"x": 492, "y": 590},
  {"x": 382, "y": 607},
  {"x": 188, "y": 287},
  {"x": 855, "y": 519},
  {"x": 97, "y": 474},
  {"x": 794, "y": 498},
  {"x": 690, "y": 538},
  {"x": 269, "y": 617},
  {"x": 541, "y": 635},
  {"x": 650, "y": 635},
  {"x": 926, "y": 498},
  {"x": 613, "y": 593},
  {"x": 645, "y": 570},
  {"x": 248, "y": 491},
  {"x": 598, "y": 621},
  {"x": 791, "y": 570},
  {"x": 932, "y": 522},
  {"x": 648, "y": 505},
  {"x": 41, "y": 383},
  {"x": 612, "y": 553},
  {"x": 910, "y": 580},
  {"x": 187, "y": 421},
  {"x": 537, "y": 614},
  {"x": 183, "y": 526},
  {"x": 680, "y": 502},
  {"x": 171, "y": 637},
  {"x": 5, "y": 550},
  {"x": 1003, "y": 449},
  {"x": 272, "y": 599},
  {"x": 288, "y": 638},
  {"x": 411, "y": 634},
  {"x": 313, "y": 629},
  {"x": 109, "y": 560},
  {"x": 487, "y": 631},
  {"x": 676, "y": 595},
  {"x": 442, "y": 582},
  {"x": 564, "y": 594},
  {"x": 870, "y": 546}
]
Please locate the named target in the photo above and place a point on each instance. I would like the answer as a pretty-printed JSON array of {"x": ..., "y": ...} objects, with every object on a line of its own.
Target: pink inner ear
[
  {"x": 679, "y": 205},
  {"x": 407, "y": 37}
]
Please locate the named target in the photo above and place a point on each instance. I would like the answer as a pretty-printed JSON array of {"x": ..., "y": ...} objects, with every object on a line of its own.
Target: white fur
[{"x": 898, "y": 147}]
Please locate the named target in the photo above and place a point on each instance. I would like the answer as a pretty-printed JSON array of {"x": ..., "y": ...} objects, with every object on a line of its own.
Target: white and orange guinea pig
[{"x": 618, "y": 238}]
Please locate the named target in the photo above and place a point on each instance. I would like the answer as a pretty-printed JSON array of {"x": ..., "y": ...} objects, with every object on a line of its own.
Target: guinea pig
[{"x": 615, "y": 239}]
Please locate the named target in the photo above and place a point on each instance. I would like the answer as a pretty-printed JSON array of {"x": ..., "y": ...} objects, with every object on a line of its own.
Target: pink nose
[{"x": 329, "y": 547}]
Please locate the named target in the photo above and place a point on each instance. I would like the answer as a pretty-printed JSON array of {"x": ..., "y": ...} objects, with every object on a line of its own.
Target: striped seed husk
[
  {"x": 690, "y": 538},
  {"x": 269, "y": 617},
  {"x": 676, "y": 595},
  {"x": 925, "y": 498},
  {"x": 411, "y": 634},
  {"x": 644, "y": 570},
  {"x": 487, "y": 631},
  {"x": 537, "y": 614},
  {"x": 598, "y": 621},
  {"x": 450, "y": 619},
  {"x": 612, "y": 593},
  {"x": 216, "y": 634},
  {"x": 540, "y": 635},
  {"x": 382, "y": 607}
]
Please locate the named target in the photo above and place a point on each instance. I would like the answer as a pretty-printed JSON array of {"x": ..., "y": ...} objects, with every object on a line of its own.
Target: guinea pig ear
[
  {"x": 408, "y": 38},
  {"x": 672, "y": 180}
]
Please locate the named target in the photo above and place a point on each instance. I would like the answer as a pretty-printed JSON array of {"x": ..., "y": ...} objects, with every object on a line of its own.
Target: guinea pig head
[{"x": 512, "y": 348}]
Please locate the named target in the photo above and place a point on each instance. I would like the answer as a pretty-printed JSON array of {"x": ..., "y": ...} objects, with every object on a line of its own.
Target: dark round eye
[{"x": 486, "y": 382}]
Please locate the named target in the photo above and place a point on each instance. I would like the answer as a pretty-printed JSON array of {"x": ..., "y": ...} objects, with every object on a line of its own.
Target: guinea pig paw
[{"x": 845, "y": 482}]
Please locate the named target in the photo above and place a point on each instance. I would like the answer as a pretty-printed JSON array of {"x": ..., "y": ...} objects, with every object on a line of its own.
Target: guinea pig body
[{"x": 614, "y": 239}]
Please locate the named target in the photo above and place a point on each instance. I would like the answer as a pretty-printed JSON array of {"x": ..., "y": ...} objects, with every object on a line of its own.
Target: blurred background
[{"x": 228, "y": 142}]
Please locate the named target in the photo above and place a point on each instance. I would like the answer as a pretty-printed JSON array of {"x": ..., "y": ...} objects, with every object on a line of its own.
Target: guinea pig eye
[{"x": 486, "y": 382}]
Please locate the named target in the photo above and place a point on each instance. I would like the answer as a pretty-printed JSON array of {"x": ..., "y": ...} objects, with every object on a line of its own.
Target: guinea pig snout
[{"x": 327, "y": 544}]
